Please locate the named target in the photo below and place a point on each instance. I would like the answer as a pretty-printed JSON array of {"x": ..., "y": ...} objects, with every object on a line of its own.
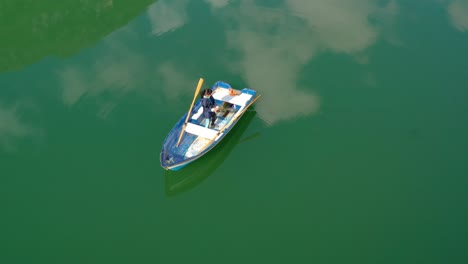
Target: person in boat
[{"x": 209, "y": 107}]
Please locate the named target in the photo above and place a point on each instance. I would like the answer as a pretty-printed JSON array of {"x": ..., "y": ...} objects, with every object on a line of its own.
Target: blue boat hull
[{"x": 177, "y": 156}]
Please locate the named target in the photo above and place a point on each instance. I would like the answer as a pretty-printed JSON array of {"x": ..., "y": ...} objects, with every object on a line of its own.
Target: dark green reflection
[
  {"x": 193, "y": 174},
  {"x": 31, "y": 30}
]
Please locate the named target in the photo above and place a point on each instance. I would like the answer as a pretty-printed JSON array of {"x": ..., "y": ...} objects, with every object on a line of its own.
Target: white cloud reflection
[
  {"x": 341, "y": 26},
  {"x": 167, "y": 15},
  {"x": 275, "y": 44},
  {"x": 272, "y": 46},
  {"x": 174, "y": 78},
  {"x": 217, "y": 3},
  {"x": 458, "y": 11},
  {"x": 12, "y": 128},
  {"x": 113, "y": 74}
]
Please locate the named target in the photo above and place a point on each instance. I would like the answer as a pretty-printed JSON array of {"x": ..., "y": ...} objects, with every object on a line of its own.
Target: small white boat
[{"x": 189, "y": 139}]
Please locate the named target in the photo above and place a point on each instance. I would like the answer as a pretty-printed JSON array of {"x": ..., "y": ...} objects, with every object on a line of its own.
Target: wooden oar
[
  {"x": 197, "y": 91},
  {"x": 230, "y": 122}
]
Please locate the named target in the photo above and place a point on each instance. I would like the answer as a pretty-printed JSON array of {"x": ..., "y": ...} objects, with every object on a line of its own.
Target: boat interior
[
  {"x": 225, "y": 112},
  {"x": 198, "y": 137}
]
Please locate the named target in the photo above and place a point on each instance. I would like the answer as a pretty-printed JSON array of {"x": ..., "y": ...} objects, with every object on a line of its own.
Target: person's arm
[{"x": 214, "y": 107}]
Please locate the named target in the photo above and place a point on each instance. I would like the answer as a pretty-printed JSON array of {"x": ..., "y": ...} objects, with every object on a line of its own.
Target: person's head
[{"x": 206, "y": 92}]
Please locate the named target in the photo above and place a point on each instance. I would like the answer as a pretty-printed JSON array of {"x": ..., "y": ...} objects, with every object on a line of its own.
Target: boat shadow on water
[{"x": 192, "y": 175}]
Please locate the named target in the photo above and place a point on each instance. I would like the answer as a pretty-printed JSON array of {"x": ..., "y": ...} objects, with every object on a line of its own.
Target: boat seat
[
  {"x": 222, "y": 94},
  {"x": 201, "y": 131},
  {"x": 198, "y": 113}
]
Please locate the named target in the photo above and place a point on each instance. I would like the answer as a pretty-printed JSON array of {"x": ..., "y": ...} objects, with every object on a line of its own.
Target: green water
[{"x": 357, "y": 151}]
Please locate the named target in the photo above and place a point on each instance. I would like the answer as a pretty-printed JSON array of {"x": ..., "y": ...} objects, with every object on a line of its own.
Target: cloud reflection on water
[
  {"x": 272, "y": 46},
  {"x": 458, "y": 11},
  {"x": 172, "y": 76},
  {"x": 12, "y": 128},
  {"x": 167, "y": 15},
  {"x": 120, "y": 68},
  {"x": 113, "y": 74},
  {"x": 217, "y": 3},
  {"x": 275, "y": 44}
]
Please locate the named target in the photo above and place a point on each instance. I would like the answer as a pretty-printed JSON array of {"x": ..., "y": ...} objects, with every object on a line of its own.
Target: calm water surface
[{"x": 357, "y": 151}]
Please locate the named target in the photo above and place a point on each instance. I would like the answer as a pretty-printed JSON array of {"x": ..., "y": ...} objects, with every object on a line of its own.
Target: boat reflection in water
[{"x": 196, "y": 172}]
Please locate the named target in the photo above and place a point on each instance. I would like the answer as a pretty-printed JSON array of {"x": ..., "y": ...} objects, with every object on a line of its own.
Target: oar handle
[{"x": 197, "y": 91}]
